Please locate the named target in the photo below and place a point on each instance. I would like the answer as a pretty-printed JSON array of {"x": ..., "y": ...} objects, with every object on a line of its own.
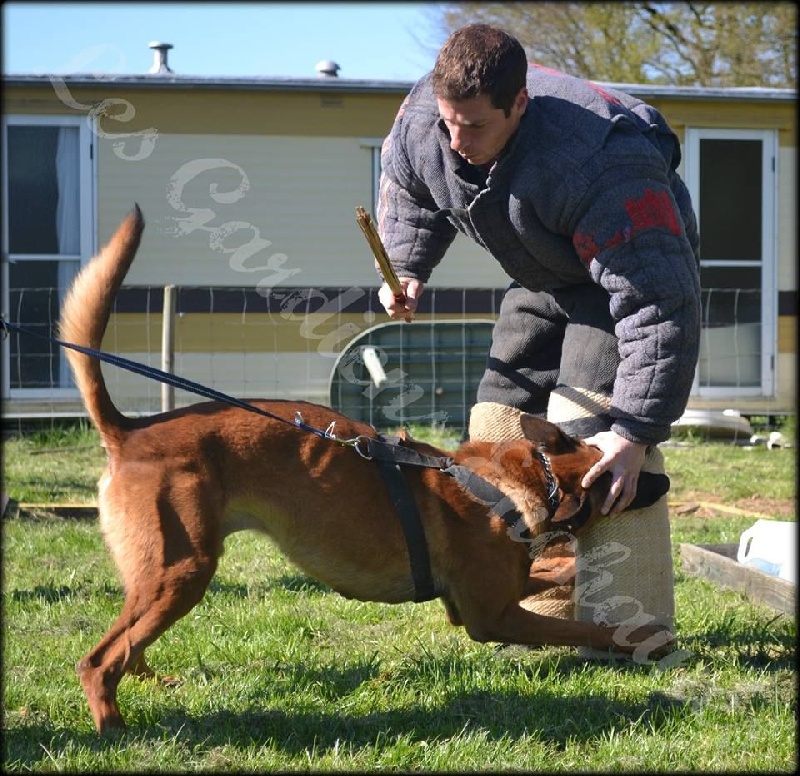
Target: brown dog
[{"x": 178, "y": 483}]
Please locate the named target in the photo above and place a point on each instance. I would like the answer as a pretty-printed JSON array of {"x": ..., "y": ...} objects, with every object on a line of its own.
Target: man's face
[{"x": 478, "y": 131}]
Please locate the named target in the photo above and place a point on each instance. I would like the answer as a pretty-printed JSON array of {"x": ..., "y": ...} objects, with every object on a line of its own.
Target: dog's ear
[{"x": 545, "y": 434}]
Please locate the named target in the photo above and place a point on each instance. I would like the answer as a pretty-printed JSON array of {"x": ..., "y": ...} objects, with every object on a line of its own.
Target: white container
[{"x": 770, "y": 546}]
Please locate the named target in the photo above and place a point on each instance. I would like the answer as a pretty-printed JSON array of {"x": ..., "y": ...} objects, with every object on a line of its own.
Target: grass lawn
[{"x": 278, "y": 673}]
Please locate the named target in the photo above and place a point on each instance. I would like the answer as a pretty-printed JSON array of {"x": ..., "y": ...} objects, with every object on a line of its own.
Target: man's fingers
[
  {"x": 620, "y": 495},
  {"x": 614, "y": 504},
  {"x": 612, "y": 497},
  {"x": 593, "y": 474},
  {"x": 623, "y": 459},
  {"x": 401, "y": 305},
  {"x": 395, "y": 306},
  {"x": 413, "y": 289}
]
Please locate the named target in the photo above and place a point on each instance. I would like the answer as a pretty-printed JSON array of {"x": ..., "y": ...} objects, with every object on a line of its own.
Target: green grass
[
  {"x": 58, "y": 465},
  {"x": 279, "y": 673}
]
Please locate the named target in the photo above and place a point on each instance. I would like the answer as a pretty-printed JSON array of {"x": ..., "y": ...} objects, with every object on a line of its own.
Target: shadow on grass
[
  {"x": 52, "y": 594},
  {"x": 296, "y": 583},
  {"x": 300, "y": 583},
  {"x": 545, "y": 715},
  {"x": 775, "y": 650},
  {"x": 551, "y": 719}
]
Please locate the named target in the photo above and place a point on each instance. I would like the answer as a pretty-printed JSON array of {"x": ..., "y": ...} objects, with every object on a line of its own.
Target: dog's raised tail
[{"x": 84, "y": 317}]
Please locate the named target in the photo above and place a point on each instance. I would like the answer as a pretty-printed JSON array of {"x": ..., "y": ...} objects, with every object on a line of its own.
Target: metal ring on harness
[{"x": 356, "y": 442}]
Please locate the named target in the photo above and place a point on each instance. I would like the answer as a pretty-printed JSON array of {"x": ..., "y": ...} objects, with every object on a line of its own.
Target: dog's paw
[{"x": 650, "y": 642}]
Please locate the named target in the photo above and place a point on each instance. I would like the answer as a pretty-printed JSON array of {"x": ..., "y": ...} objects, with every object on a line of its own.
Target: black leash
[
  {"x": 369, "y": 448},
  {"x": 164, "y": 377}
]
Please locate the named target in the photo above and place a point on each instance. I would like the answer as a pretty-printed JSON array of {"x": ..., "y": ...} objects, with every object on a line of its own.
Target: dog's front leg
[{"x": 516, "y": 625}]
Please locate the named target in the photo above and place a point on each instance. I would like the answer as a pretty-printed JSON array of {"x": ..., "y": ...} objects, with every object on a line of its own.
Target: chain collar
[{"x": 553, "y": 501}]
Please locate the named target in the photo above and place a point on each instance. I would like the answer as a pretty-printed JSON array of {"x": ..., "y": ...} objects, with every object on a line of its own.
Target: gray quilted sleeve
[
  {"x": 634, "y": 242},
  {"x": 415, "y": 233}
]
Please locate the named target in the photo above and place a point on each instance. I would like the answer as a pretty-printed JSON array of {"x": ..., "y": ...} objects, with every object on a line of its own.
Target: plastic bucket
[{"x": 771, "y": 547}]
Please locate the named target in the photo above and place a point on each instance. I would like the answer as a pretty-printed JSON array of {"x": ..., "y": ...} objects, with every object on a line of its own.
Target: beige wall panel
[
  {"x": 219, "y": 111},
  {"x": 787, "y": 334},
  {"x": 258, "y": 112},
  {"x": 731, "y": 114},
  {"x": 787, "y": 376},
  {"x": 325, "y": 335},
  {"x": 283, "y": 211},
  {"x": 259, "y": 375},
  {"x": 467, "y": 265}
]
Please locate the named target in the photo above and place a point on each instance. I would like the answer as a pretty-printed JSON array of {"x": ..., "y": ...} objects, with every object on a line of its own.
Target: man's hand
[
  {"x": 404, "y": 308},
  {"x": 624, "y": 459}
]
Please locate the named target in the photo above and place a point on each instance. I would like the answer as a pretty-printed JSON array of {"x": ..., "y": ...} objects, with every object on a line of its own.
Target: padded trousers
[{"x": 555, "y": 355}]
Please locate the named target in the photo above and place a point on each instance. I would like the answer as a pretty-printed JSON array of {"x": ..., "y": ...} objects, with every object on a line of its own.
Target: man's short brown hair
[{"x": 480, "y": 59}]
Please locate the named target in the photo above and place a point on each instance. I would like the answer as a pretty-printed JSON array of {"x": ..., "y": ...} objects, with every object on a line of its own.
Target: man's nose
[{"x": 456, "y": 139}]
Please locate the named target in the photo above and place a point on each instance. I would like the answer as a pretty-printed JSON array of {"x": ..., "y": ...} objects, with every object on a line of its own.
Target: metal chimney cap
[
  {"x": 160, "y": 65},
  {"x": 327, "y": 68}
]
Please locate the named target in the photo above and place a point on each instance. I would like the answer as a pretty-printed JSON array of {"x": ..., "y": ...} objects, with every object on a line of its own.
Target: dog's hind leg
[{"x": 151, "y": 607}]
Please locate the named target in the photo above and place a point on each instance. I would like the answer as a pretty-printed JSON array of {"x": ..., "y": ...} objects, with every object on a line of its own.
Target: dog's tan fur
[{"x": 178, "y": 483}]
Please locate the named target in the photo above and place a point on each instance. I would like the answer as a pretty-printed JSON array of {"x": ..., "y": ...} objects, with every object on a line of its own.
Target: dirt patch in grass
[
  {"x": 785, "y": 509},
  {"x": 711, "y": 505}
]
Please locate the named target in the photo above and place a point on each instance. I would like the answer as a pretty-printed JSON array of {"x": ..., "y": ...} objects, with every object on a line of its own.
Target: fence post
[{"x": 168, "y": 346}]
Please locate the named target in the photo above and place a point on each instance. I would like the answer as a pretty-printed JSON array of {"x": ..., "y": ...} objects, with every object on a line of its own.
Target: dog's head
[
  {"x": 571, "y": 459},
  {"x": 542, "y": 474}
]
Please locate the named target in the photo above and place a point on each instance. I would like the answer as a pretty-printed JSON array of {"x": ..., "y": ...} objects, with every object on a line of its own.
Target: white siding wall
[
  {"x": 292, "y": 200},
  {"x": 787, "y": 219}
]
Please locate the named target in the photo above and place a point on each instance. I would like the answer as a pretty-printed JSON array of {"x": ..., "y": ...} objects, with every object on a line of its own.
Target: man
[{"x": 573, "y": 189}]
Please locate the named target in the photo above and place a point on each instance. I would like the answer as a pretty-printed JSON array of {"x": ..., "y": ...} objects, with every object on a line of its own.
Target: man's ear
[{"x": 650, "y": 488}]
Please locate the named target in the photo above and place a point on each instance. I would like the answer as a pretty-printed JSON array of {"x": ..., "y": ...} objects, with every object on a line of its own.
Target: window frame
[
  {"x": 87, "y": 176},
  {"x": 769, "y": 249}
]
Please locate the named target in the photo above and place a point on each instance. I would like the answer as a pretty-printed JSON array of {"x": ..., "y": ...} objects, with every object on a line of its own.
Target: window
[
  {"x": 732, "y": 180},
  {"x": 373, "y": 145},
  {"x": 49, "y": 233}
]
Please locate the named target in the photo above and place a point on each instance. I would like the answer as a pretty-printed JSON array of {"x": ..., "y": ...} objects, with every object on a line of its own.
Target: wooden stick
[{"x": 374, "y": 239}]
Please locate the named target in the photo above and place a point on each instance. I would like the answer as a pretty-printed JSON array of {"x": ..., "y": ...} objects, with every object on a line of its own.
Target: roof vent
[
  {"x": 160, "y": 65},
  {"x": 327, "y": 69}
]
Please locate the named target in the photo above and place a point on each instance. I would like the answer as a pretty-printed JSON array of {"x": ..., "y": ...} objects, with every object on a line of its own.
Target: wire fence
[{"x": 333, "y": 346}]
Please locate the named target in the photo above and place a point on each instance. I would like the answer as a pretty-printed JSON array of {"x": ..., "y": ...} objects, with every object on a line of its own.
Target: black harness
[{"x": 389, "y": 453}]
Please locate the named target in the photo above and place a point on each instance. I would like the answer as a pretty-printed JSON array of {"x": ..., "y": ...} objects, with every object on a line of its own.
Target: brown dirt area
[{"x": 700, "y": 505}]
